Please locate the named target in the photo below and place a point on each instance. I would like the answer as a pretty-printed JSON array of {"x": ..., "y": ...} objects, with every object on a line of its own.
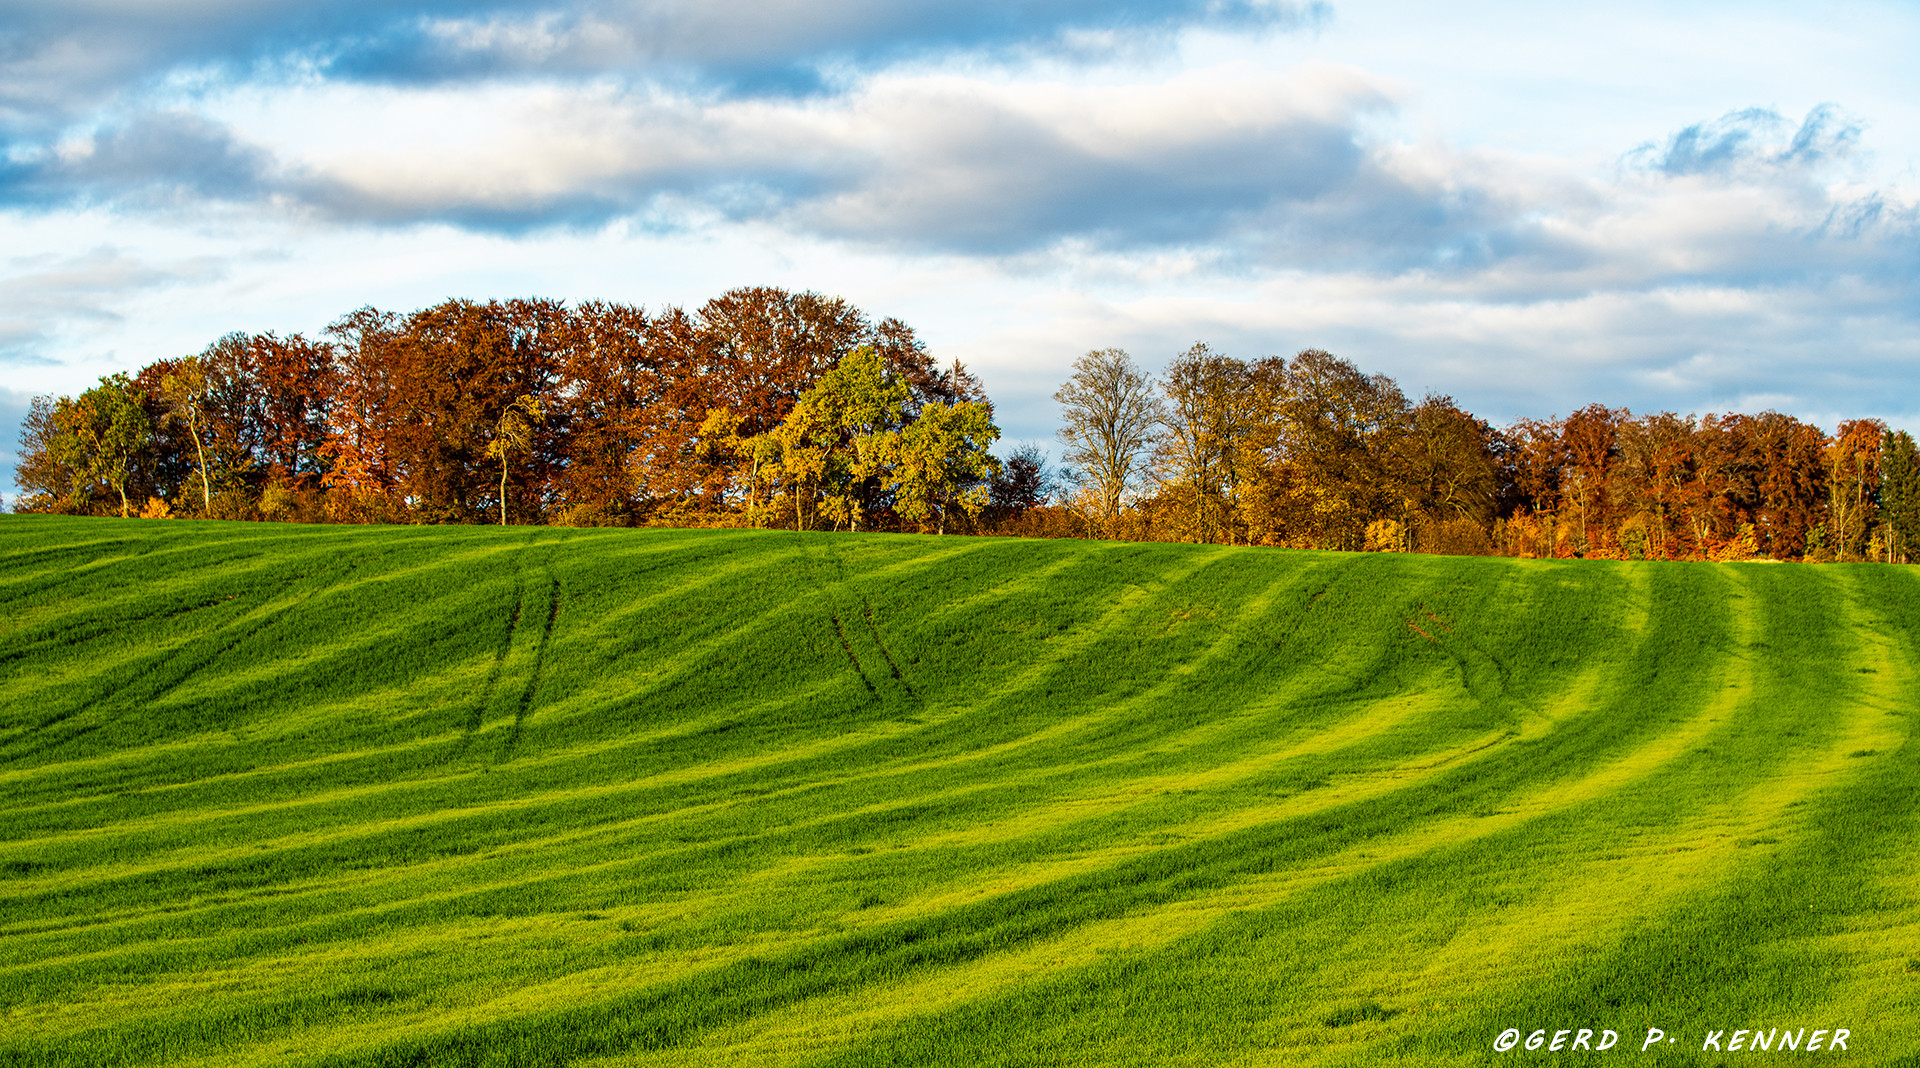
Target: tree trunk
[
  {"x": 206, "y": 489},
  {"x": 753, "y": 488}
]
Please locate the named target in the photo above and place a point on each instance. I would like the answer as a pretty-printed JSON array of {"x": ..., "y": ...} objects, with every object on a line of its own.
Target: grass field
[{"x": 451, "y": 796}]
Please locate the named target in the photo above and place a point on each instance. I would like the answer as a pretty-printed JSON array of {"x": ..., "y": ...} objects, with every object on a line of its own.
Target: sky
[{"x": 1696, "y": 208}]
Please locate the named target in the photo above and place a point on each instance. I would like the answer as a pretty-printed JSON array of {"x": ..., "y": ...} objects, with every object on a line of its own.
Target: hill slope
[{"x": 355, "y": 796}]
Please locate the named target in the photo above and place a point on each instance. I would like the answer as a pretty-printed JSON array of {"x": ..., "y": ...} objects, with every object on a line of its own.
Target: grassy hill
[{"x": 410, "y": 796}]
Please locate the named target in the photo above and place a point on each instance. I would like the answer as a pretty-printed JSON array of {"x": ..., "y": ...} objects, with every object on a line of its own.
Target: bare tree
[{"x": 1111, "y": 415}]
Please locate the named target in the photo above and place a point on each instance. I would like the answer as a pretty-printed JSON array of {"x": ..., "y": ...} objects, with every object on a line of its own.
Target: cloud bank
[
  {"x": 61, "y": 60},
  {"x": 677, "y": 115}
]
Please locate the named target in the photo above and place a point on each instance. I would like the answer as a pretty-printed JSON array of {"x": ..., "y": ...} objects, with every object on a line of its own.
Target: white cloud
[
  {"x": 927, "y": 158},
  {"x": 43, "y": 293}
]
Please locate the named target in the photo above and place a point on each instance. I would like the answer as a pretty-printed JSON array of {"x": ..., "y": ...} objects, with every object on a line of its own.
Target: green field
[{"x": 532, "y": 796}]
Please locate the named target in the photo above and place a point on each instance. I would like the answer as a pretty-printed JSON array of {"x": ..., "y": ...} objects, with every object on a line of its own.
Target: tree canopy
[{"x": 764, "y": 407}]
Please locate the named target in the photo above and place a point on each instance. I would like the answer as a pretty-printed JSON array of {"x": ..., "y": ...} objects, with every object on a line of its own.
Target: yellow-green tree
[
  {"x": 514, "y": 433},
  {"x": 798, "y": 456},
  {"x": 185, "y": 393},
  {"x": 831, "y": 449},
  {"x": 940, "y": 462},
  {"x": 758, "y": 455},
  {"x": 100, "y": 433}
]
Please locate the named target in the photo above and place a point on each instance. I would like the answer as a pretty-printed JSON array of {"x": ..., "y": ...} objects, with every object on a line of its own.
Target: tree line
[
  {"x": 764, "y": 407},
  {"x": 1310, "y": 452},
  {"x": 761, "y": 407}
]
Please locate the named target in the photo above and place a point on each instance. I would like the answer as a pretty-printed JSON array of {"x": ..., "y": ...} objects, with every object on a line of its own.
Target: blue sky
[{"x": 1699, "y": 207}]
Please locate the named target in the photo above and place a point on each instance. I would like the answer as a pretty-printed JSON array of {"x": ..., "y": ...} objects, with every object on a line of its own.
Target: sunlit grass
[{"x": 361, "y": 796}]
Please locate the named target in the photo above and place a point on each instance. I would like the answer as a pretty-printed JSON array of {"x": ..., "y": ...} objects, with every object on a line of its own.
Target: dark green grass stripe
[
  {"x": 34, "y": 575},
  {"x": 133, "y": 684},
  {"x": 141, "y": 683}
]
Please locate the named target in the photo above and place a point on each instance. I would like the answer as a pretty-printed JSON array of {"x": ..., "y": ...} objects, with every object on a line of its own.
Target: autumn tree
[
  {"x": 671, "y": 368},
  {"x": 906, "y": 356},
  {"x": 1338, "y": 430},
  {"x": 764, "y": 347},
  {"x": 1205, "y": 432},
  {"x": 1446, "y": 465},
  {"x": 622, "y": 393},
  {"x": 235, "y": 421},
  {"x": 1853, "y": 480},
  {"x": 50, "y": 482},
  {"x": 1728, "y": 466},
  {"x": 292, "y": 379},
  {"x": 1536, "y": 462},
  {"x": 209, "y": 427},
  {"x": 1111, "y": 414},
  {"x": 1446, "y": 462},
  {"x": 1650, "y": 478},
  {"x": 358, "y": 451},
  {"x": 1589, "y": 436},
  {"x": 1265, "y": 492},
  {"x": 1249, "y": 420},
  {"x": 1790, "y": 484},
  {"x": 167, "y": 467},
  {"x": 451, "y": 371}
]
